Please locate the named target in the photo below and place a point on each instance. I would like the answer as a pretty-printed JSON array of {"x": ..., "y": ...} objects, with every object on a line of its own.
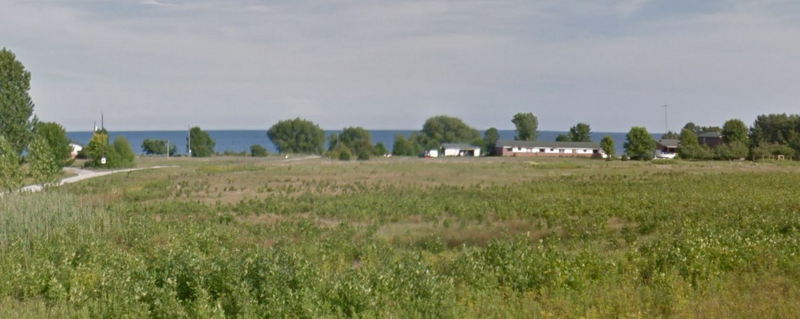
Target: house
[
  {"x": 460, "y": 150},
  {"x": 548, "y": 149},
  {"x": 710, "y": 139},
  {"x": 74, "y": 150},
  {"x": 666, "y": 148},
  {"x": 431, "y": 153}
]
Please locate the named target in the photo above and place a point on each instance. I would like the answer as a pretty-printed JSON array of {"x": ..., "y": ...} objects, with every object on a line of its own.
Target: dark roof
[
  {"x": 535, "y": 144},
  {"x": 460, "y": 146},
  {"x": 668, "y": 142},
  {"x": 710, "y": 134}
]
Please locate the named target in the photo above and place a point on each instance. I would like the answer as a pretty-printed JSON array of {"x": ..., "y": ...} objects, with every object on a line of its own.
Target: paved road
[{"x": 84, "y": 174}]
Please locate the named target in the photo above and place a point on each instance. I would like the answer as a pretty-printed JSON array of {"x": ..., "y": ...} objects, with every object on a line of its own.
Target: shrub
[{"x": 258, "y": 151}]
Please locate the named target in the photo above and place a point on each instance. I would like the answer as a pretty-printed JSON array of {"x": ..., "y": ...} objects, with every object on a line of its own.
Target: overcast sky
[{"x": 245, "y": 64}]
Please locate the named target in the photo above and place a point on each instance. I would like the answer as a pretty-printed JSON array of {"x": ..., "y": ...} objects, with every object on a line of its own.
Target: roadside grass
[{"x": 404, "y": 237}]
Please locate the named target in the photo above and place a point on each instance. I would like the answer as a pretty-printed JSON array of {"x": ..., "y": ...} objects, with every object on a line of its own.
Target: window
[
  {"x": 595, "y": 151},
  {"x": 541, "y": 150},
  {"x": 561, "y": 150}
]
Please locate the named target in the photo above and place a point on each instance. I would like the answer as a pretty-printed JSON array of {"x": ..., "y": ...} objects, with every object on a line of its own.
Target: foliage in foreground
[{"x": 621, "y": 245}]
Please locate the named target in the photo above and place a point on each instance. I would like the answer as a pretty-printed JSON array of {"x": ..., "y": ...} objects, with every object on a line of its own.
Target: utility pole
[
  {"x": 666, "y": 123},
  {"x": 189, "y": 141}
]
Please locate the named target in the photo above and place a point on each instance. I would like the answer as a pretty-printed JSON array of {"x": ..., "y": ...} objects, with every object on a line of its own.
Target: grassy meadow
[{"x": 408, "y": 238}]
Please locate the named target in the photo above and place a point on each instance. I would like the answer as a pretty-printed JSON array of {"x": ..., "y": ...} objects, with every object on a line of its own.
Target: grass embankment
[{"x": 409, "y": 238}]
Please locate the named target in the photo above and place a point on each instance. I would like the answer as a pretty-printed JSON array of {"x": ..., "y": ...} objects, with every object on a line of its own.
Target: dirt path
[{"x": 84, "y": 174}]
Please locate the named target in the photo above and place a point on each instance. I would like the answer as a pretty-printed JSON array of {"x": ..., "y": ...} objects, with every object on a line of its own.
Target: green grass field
[{"x": 408, "y": 238}]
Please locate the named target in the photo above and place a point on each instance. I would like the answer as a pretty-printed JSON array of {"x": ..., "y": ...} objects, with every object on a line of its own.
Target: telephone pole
[{"x": 666, "y": 123}]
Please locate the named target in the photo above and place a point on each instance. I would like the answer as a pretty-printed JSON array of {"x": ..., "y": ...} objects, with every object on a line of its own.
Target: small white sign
[{"x": 103, "y": 160}]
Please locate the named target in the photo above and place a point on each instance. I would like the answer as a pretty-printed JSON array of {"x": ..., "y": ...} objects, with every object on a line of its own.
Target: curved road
[{"x": 84, "y": 174}]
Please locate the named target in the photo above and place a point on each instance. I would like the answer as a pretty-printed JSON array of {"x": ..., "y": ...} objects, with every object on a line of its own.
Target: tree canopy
[
  {"x": 639, "y": 144},
  {"x": 527, "y": 126},
  {"x": 445, "y": 129},
  {"x": 56, "y": 137},
  {"x": 158, "y": 147},
  {"x": 689, "y": 147},
  {"x": 297, "y": 136},
  {"x": 117, "y": 155},
  {"x": 357, "y": 139},
  {"x": 490, "y": 138},
  {"x": 10, "y": 168},
  {"x": 404, "y": 147},
  {"x": 734, "y": 130},
  {"x": 258, "y": 151},
  {"x": 43, "y": 166},
  {"x": 201, "y": 143},
  {"x": 608, "y": 146},
  {"x": 777, "y": 129},
  {"x": 581, "y": 132},
  {"x": 16, "y": 106}
]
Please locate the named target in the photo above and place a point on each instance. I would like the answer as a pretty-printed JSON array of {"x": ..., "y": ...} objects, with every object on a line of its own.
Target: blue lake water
[{"x": 239, "y": 141}]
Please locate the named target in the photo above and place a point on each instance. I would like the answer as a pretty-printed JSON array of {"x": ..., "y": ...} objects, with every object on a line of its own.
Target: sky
[{"x": 246, "y": 64}]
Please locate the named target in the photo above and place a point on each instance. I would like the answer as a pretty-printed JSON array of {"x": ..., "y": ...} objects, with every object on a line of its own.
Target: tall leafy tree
[
  {"x": 639, "y": 144},
  {"x": 43, "y": 167},
  {"x": 490, "y": 138},
  {"x": 780, "y": 129},
  {"x": 16, "y": 106},
  {"x": 380, "y": 149},
  {"x": 357, "y": 139},
  {"x": 404, "y": 147},
  {"x": 446, "y": 129},
  {"x": 607, "y": 144},
  {"x": 158, "y": 147},
  {"x": 581, "y": 132},
  {"x": 201, "y": 143},
  {"x": 97, "y": 149},
  {"x": 10, "y": 168},
  {"x": 121, "y": 154},
  {"x": 57, "y": 140},
  {"x": 734, "y": 130},
  {"x": 527, "y": 126},
  {"x": 297, "y": 136}
]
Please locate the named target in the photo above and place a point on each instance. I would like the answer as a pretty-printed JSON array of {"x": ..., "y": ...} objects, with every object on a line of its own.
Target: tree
[
  {"x": 297, "y": 136},
  {"x": 701, "y": 129},
  {"x": 121, "y": 154},
  {"x": 670, "y": 135},
  {"x": 731, "y": 151},
  {"x": 607, "y": 144},
  {"x": 639, "y": 144},
  {"x": 768, "y": 150},
  {"x": 380, "y": 149},
  {"x": 258, "y": 151},
  {"x": 43, "y": 166},
  {"x": 490, "y": 138},
  {"x": 444, "y": 129},
  {"x": 10, "y": 168},
  {"x": 689, "y": 147},
  {"x": 57, "y": 140},
  {"x": 404, "y": 147},
  {"x": 562, "y": 138},
  {"x": 201, "y": 143},
  {"x": 357, "y": 139},
  {"x": 340, "y": 152},
  {"x": 735, "y": 130},
  {"x": 527, "y": 126},
  {"x": 97, "y": 149},
  {"x": 158, "y": 147},
  {"x": 16, "y": 107},
  {"x": 581, "y": 132}
]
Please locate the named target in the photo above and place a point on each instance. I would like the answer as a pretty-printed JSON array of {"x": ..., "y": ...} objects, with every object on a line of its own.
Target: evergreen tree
[{"x": 16, "y": 106}]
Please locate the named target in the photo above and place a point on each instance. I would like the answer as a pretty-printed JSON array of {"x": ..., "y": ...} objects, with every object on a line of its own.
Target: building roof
[
  {"x": 535, "y": 144},
  {"x": 710, "y": 134},
  {"x": 460, "y": 146},
  {"x": 668, "y": 142}
]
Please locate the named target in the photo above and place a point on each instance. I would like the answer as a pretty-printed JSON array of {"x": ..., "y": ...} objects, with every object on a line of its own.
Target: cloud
[{"x": 391, "y": 64}]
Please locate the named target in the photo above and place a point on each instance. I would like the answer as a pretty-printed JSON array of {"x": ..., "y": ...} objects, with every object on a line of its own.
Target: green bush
[{"x": 258, "y": 151}]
